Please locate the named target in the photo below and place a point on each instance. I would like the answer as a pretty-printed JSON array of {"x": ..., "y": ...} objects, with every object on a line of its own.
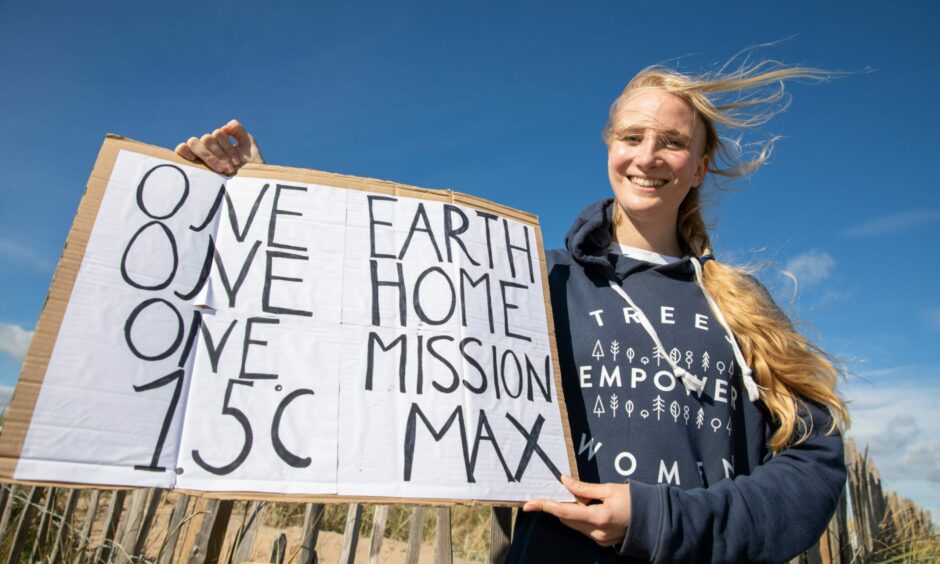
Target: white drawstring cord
[
  {"x": 691, "y": 382},
  {"x": 753, "y": 390}
]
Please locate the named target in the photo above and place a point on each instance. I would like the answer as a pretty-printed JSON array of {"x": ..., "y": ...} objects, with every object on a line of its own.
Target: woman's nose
[{"x": 646, "y": 155}]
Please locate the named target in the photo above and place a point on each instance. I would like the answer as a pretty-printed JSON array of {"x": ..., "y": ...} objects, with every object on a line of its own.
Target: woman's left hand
[{"x": 605, "y": 522}]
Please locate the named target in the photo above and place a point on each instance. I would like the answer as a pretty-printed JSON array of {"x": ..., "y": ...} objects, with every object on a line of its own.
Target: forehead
[{"x": 654, "y": 108}]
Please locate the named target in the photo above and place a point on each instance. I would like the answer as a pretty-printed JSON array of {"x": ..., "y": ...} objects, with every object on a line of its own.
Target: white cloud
[
  {"x": 811, "y": 267},
  {"x": 14, "y": 341},
  {"x": 893, "y": 223},
  {"x": 899, "y": 420}
]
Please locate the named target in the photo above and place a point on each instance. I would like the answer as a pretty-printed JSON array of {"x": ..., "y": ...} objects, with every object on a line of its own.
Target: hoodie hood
[{"x": 589, "y": 239}]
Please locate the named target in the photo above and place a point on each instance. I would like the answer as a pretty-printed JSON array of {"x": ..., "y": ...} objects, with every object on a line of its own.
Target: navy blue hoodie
[{"x": 703, "y": 485}]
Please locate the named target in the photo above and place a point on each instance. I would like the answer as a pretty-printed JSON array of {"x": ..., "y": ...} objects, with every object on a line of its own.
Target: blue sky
[{"x": 506, "y": 101}]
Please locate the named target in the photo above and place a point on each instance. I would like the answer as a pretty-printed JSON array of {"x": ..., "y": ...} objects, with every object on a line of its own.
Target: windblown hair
[{"x": 786, "y": 365}]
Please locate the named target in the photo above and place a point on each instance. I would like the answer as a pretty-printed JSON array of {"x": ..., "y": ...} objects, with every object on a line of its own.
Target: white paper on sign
[{"x": 262, "y": 335}]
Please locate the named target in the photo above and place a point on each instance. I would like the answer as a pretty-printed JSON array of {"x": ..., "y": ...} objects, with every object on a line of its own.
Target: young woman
[{"x": 706, "y": 426}]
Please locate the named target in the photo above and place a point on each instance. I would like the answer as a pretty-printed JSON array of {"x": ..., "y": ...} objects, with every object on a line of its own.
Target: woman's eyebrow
[{"x": 662, "y": 132}]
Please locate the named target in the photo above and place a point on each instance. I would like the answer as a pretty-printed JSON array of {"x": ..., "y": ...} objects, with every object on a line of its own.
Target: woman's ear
[{"x": 700, "y": 171}]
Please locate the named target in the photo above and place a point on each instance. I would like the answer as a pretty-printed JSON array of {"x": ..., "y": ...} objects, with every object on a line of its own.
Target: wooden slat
[
  {"x": 8, "y": 510},
  {"x": 278, "y": 549},
  {"x": 168, "y": 550},
  {"x": 311, "y": 530},
  {"x": 111, "y": 521},
  {"x": 500, "y": 533},
  {"x": 245, "y": 537},
  {"x": 45, "y": 517},
  {"x": 379, "y": 520},
  {"x": 414, "y": 535},
  {"x": 146, "y": 522},
  {"x": 443, "y": 552},
  {"x": 84, "y": 536},
  {"x": 4, "y": 498},
  {"x": 65, "y": 527},
  {"x": 347, "y": 552},
  {"x": 22, "y": 527},
  {"x": 124, "y": 541},
  {"x": 211, "y": 535}
]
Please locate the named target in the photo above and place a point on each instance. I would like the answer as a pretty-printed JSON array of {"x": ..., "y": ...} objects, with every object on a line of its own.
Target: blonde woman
[{"x": 705, "y": 425}]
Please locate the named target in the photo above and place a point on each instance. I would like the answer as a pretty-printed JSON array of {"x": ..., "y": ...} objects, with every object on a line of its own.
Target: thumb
[{"x": 584, "y": 489}]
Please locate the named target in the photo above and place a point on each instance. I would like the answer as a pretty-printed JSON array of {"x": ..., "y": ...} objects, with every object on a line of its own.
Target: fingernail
[
  {"x": 527, "y": 507},
  {"x": 237, "y": 160},
  {"x": 565, "y": 479}
]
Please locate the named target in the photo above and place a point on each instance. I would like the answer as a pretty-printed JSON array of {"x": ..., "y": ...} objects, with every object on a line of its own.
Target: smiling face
[{"x": 655, "y": 156}]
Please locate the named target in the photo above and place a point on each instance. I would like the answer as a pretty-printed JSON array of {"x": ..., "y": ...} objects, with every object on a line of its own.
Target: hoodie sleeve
[{"x": 771, "y": 515}]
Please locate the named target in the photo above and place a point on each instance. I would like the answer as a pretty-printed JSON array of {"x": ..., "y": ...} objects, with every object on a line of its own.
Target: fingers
[
  {"x": 217, "y": 151},
  {"x": 238, "y": 131},
  {"x": 184, "y": 151}
]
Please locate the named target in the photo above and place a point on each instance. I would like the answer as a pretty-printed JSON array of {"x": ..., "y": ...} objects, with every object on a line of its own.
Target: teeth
[{"x": 648, "y": 182}]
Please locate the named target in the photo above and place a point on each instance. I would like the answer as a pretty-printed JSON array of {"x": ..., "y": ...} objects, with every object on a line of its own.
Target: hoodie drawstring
[
  {"x": 753, "y": 390},
  {"x": 691, "y": 382}
]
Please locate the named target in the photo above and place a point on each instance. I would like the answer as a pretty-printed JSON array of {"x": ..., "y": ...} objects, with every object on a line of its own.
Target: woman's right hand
[{"x": 216, "y": 150}]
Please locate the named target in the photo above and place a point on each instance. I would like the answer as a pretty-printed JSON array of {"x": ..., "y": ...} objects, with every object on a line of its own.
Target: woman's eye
[{"x": 675, "y": 143}]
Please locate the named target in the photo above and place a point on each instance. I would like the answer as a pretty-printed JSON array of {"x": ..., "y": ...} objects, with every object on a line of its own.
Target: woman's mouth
[{"x": 648, "y": 182}]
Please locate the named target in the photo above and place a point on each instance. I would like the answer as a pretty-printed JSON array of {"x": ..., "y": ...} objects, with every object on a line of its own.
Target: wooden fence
[{"x": 47, "y": 524}]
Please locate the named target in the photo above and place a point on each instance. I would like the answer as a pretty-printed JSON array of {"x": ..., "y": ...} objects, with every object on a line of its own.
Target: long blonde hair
[{"x": 788, "y": 367}]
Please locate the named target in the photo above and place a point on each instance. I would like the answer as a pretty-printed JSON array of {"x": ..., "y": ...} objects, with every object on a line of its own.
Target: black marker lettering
[
  {"x": 510, "y": 248},
  {"x": 503, "y": 284},
  {"x": 402, "y": 361},
  {"x": 455, "y": 379},
  {"x": 276, "y": 211},
  {"x": 132, "y": 318},
  {"x": 411, "y": 432},
  {"x": 169, "y": 278},
  {"x": 487, "y": 218},
  {"x": 246, "y": 427},
  {"x": 269, "y": 277},
  {"x": 400, "y": 284},
  {"x": 243, "y": 374},
  {"x": 422, "y": 215},
  {"x": 287, "y": 456},
  {"x": 451, "y": 232},
  {"x": 143, "y": 183},
  {"x": 419, "y": 311}
]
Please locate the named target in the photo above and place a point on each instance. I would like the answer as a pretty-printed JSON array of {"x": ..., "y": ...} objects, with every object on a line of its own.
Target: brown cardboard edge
[
  {"x": 553, "y": 345},
  {"x": 20, "y": 412},
  {"x": 47, "y": 329}
]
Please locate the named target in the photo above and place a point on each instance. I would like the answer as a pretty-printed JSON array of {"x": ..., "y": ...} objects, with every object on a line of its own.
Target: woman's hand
[
  {"x": 217, "y": 152},
  {"x": 605, "y": 522}
]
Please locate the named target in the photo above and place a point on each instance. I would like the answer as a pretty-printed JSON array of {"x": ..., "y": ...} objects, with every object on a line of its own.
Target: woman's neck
[{"x": 658, "y": 237}]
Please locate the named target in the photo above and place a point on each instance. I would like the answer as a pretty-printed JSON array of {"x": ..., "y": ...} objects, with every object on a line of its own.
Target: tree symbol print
[
  {"x": 720, "y": 366},
  {"x": 599, "y": 406},
  {"x": 614, "y": 404},
  {"x": 675, "y": 411},
  {"x": 630, "y": 354},
  {"x": 644, "y": 414},
  {"x": 685, "y": 414},
  {"x": 700, "y": 418},
  {"x": 629, "y": 408},
  {"x": 705, "y": 360},
  {"x": 658, "y": 354},
  {"x": 598, "y": 351},
  {"x": 659, "y": 406},
  {"x": 614, "y": 349},
  {"x": 716, "y": 424},
  {"x": 689, "y": 359}
]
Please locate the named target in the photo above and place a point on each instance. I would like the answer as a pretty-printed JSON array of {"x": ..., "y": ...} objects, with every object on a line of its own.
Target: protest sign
[{"x": 287, "y": 331}]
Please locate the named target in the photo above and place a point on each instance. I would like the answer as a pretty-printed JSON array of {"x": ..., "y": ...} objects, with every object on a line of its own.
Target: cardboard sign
[{"x": 292, "y": 332}]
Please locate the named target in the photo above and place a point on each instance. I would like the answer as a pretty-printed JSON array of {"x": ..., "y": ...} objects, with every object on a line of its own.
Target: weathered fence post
[
  {"x": 379, "y": 520},
  {"x": 8, "y": 510},
  {"x": 278, "y": 549},
  {"x": 110, "y": 525},
  {"x": 22, "y": 527},
  {"x": 415, "y": 534},
  {"x": 211, "y": 535},
  {"x": 48, "y": 510},
  {"x": 347, "y": 554},
  {"x": 64, "y": 525},
  {"x": 443, "y": 551},
  {"x": 311, "y": 530},
  {"x": 245, "y": 537},
  {"x": 168, "y": 550},
  {"x": 84, "y": 537}
]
